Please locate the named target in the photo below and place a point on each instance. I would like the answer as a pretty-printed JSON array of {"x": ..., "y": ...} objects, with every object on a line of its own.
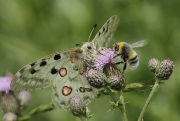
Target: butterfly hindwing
[
  {"x": 64, "y": 88},
  {"x": 104, "y": 37}
]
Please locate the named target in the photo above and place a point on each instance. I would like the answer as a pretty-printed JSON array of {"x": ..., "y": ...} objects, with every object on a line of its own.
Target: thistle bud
[
  {"x": 152, "y": 64},
  {"x": 164, "y": 69},
  {"x": 10, "y": 117},
  {"x": 24, "y": 98},
  {"x": 77, "y": 106},
  {"x": 116, "y": 82},
  {"x": 96, "y": 78},
  {"x": 9, "y": 102}
]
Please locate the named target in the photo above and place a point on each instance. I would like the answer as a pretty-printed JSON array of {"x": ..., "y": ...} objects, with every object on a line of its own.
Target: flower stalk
[
  {"x": 154, "y": 89},
  {"x": 119, "y": 103},
  {"x": 40, "y": 109}
]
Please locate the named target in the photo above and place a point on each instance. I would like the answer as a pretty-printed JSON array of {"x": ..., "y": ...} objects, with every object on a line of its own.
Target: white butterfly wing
[
  {"x": 65, "y": 71},
  {"x": 104, "y": 37},
  {"x": 41, "y": 73},
  {"x": 74, "y": 84}
]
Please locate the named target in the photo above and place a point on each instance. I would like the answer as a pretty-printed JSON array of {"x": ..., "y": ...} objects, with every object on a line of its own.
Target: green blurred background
[{"x": 31, "y": 29}]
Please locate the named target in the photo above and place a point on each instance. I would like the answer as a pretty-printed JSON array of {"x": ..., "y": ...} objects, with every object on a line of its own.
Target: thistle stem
[
  {"x": 121, "y": 104},
  {"x": 154, "y": 89},
  {"x": 83, "y": 118},
  {"x": 40, "y": 109}
]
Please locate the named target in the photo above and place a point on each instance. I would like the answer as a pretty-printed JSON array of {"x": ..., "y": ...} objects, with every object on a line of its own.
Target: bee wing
[
  {"x": 41, "y": 73},
  {"x": 104, "y": 37},
  {"x": 139, "y": 44}
]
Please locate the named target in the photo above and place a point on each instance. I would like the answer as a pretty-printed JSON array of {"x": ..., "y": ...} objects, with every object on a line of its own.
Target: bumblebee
[{"x": 126, "y": 52}]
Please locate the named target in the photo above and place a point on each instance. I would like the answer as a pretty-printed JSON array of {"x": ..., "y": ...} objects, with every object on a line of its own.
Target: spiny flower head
[
  {"x": 77, "y": 106},
  {"x": 24, "y": 98},
  {"x": 10, "y": 117},
  {"x": 164, "y": 69},
  {"x": 96, "y": 78},
  {"x": 116, "y": 82},
  {"x": 9, "y": 102},
  {"x": 153, "y": 63}
]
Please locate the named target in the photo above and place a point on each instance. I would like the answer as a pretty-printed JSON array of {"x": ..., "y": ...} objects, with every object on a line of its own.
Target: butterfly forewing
[
  {"x": 41, "y": 73},
  {"x": 104, "y": 37}
]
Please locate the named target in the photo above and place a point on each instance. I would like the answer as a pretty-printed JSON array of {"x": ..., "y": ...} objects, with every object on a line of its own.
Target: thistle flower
[
  {"x": 105, "y": 61},
  {"x": 9, "y": 102},
  {"x": 24, "y": 98},
  {"x": 10, "y": 117},
  {"x": 152, "y": 64},
  {"x": 77, "y": 106},
  {"x": 5, "y": 84},
  {"x": 104, "y": 57},
  {"x": 96, "y": 78},
  {"x": 116, "y": 82},
  {"x": 164, "y": 69}
]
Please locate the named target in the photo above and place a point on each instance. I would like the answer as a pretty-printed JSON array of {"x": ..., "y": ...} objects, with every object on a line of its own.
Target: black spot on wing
[
  {"x": 32, "y": 64},
  {"x": 33, "y": 71},
  {"x": 99, "y": 33},
  {"x": 22, "y": 70},
  {"x": 43, "y": 63},
  {"x": 104, "y": 29},
  {"x": 53, "y": 71},
  {"x": 57, "y": 57}
]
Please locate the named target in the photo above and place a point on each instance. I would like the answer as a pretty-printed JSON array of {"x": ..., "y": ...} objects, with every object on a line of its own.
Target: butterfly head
[{"x": 88, "y": 50}]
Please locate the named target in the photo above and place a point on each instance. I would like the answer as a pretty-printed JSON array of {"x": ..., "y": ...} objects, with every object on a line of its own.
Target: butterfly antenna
[
  {"x": 92, "y": 31},
  {"x": 98, "y": 51}
]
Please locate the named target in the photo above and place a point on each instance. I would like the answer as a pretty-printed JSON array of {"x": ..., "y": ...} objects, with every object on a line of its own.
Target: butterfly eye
[{"x": 89, "y": 47}]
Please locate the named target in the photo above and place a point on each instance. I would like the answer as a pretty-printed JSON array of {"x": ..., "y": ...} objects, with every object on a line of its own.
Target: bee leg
[
  {"x": 124, "y": 67},
  {"x": 119, "y": 54},
  {"x": 119, "y": 62}
]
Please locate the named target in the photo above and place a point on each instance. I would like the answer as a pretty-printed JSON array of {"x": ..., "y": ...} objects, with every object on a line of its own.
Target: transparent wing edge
[{"x": 139, "y": 44}]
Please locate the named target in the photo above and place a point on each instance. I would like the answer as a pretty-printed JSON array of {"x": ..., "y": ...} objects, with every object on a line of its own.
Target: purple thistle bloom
[
  {"x": 5, "y": 84},
  {"x": 104, "y": 57}
]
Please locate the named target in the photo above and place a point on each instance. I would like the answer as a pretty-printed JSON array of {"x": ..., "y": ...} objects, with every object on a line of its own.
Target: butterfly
[{"x": 65, "y": 70}]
